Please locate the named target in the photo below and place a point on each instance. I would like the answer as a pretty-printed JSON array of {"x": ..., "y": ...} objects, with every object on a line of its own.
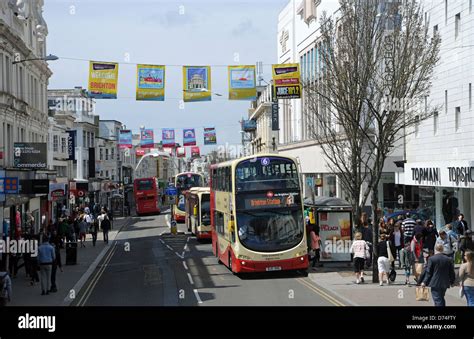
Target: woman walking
[
  {"x": 397, "y": 240},
  {"x": 315, "y": 245},
  {"x": 383, "y": 261},
  {"x": 466, "y": 275},
  {"x": 360, "y": 249},
  {"x": 82, "y": 231},
  {"x": 406, "y": 261}
]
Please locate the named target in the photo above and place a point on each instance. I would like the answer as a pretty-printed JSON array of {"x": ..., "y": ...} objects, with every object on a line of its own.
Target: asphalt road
[{"x": 147, "y": 266}]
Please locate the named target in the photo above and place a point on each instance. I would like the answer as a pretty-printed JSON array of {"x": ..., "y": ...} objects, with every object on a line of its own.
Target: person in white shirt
[{"x": 360, "y": 249}]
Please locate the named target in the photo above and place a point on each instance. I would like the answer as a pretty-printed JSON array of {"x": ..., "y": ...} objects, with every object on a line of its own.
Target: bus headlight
[{"x": 300, "y": 254}]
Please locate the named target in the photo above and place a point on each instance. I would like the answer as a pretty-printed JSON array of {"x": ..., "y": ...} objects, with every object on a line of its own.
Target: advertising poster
[
  {"x": 286, "y": 81},
  {"x": 31, "y": 155},
  {"x": 146, "y": 139},
  {"x": 210, "y": 136},
  {"x": 103, "y": 78},
  {"x": 242, "y": 85},
  {"x": 335, "y": 233},
  {"x": 150, "y": 83},
  {"x": 181, "y": 152},
  {"x": 189, "y": 137},
  {"x": 196, "y": 83},
  {"x": 125, "y": 139},
  {"x": 195, "y": 153},
  {"x": 167, "y": 137}
]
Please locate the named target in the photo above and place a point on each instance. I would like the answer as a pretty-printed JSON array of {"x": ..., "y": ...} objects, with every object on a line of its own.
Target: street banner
[
  {"x": 210, "y": 136},
  {"x": 31, "y": 155},
  {"x": 181, "y": 152},
  {"x": 286, "y": 81},
  {"x": 125, "y": 139},
  {"x": 195, "y": 153},
  {"x": 71, "y": 145},
  {"x": 196, "y": 83},
  {"x": 146, "y": 139},
  {"x": 150, "y": 82},
  {"x": 139, "y": 152},
  {"x": 167, "y": 137},
  {"x": 242, "y": 85},
  {"x": 189, "y": 137},
  {"x": 103, "y": 78}
]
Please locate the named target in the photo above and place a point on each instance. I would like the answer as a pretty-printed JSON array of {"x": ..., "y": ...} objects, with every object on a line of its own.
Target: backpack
[{"x": 3, "y": 284}]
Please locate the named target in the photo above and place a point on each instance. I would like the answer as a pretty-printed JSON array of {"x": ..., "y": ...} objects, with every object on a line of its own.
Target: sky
[{"x": 164, "y": 32}]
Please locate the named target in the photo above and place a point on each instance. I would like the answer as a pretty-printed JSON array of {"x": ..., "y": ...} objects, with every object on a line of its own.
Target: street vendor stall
[{"x": 333, "y": 216}]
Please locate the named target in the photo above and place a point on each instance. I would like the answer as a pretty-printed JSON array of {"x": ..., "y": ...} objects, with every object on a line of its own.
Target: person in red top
[{"x": 315, "y": 245}]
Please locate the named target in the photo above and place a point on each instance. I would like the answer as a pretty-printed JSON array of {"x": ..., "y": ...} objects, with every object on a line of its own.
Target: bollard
[{"x": 174, "y": 228}]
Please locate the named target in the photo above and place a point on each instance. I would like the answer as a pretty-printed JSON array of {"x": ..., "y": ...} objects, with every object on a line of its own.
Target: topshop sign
[{"x": 442, "y": 174}]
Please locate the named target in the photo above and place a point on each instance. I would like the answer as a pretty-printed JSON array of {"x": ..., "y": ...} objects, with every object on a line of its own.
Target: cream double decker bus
[
  {"x": 257, "y": 214},
  {"x": 198, "y": 212},
  {"x": 183, "y": 182}
]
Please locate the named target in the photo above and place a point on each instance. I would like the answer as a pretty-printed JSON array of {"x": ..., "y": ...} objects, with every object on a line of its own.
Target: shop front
[{"x": 445, "y": 189}]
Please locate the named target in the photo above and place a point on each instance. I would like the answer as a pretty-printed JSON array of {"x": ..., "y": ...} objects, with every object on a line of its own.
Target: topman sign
[{"x": 442, "y": 174}]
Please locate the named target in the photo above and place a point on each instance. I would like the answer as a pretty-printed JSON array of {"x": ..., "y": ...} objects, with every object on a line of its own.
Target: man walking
[
  {"x": 46, "y": 257},
  {"x": 105, "y": 225},
  {"x": 408, "y": 228},
  {"x": 440, "y": 275}
]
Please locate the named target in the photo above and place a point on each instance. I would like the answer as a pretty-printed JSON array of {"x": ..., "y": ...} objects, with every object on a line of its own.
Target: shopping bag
[
  {"x": 422, "y": 293},
  {"x": 418, "y": 270},
  {"x": 393, "y": 275}
]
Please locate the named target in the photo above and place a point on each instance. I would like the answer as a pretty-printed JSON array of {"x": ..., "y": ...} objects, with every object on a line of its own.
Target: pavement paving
[{"x": 26, "y": 295}]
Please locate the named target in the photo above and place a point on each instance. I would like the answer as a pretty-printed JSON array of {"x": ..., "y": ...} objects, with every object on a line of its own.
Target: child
[{"x": 406, "y": 261}]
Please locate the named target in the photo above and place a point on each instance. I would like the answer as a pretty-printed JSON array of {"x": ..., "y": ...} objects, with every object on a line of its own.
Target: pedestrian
[
  {"x": 440, "y": 275},
  {"x": 360, "y": 249},
  {"x": 56, "y": 242},
  {"x": 416, "y": 248},
  {"x": 83, "y": 230},
  {"x": 385, "y": 252},
  {"x": 94, "y": 230},
  {"x": 383, "y": 227},
  {"x": 367, "y": 232},
  {"x": 105, "y": 225},
  {"x": 110, "y": 215},
  {"x": 466, "y": 276},
  {"x": 460, "y": 226},
  {"x": 5, "y": 288},
  {"x": 430, "y": 233},
  {"x": 315, "y": 245},
  {"x": 448, "y": 242},
  {"x": 408, "y": 227},
  {"x": 397, "y": 240},
  {"x": 419, "y": 228},
  {"x": 46, "y": 257},
  {"x": 406, "y": 261},
  {"x": 466, "y": 243}
]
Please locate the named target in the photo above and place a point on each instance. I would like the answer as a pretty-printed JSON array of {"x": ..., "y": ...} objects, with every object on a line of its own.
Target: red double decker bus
[{"x": 147, "y": 198}]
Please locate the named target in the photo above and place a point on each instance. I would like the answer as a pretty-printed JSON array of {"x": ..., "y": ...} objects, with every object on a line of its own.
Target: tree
[{"x": 377, "y": 61}]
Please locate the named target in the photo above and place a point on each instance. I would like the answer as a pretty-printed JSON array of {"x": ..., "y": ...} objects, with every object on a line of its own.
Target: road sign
[
  {"x": 171, "y": 191},
  {"x": 310, "y": 181}
]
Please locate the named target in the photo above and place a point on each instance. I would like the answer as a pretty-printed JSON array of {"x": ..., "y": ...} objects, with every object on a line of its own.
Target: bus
[
  {"x": 198, "y": 212},
  {"x": 257, "y": 214},
  {"x": 183, "y": 182},
  {"x": 147, "y": 198}
]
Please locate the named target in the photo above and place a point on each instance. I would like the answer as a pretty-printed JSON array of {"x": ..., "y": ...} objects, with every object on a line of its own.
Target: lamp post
[{"x": 49, "y": 57}]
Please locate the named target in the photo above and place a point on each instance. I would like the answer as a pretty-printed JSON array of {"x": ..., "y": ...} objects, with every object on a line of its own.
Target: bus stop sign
[{"x": 171, "y": 191}]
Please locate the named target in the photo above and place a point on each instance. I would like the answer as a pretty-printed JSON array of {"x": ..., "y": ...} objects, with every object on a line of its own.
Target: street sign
[
  {"x": 310, "y": 181},
  {"x": 10, "y": 185},
  {"x": 171, "y": 191},
  {"x": 275, "y": 112}
]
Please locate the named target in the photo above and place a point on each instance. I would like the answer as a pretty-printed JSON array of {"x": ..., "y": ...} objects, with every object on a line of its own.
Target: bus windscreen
[
  {"x": 145, "y": 185},
  {"x": 186, "y": 181}
]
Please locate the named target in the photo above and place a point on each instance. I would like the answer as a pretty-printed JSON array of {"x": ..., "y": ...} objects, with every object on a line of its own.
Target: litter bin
[{"x": 71, "y": 253}]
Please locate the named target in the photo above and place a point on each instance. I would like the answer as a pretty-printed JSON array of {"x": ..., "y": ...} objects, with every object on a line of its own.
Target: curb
[
  {"x": 85, "y": 277},
  {"x": 334, "y": 293}
]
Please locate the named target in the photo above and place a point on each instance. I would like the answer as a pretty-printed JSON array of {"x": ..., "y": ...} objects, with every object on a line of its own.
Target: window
[
  {"x": 2, "y": 72},
  {"x": 106, "y": 174},
  {"x": 457, "y": 118},
  {"x": 435, "y": 29},
  {"x": 63, "y": 145},
  {"x": 55, "y": 143},
  {"x": 112, "y": 153},
  {"x": 435, "y": 123},
  {"x": 219, "y": 220},
  {"x": 101, "y": 154},
  {"x": 107, "y": 154},
  {"x": 457, "y": 25},
  {"x": 470, "y": 96},
  {"x": 446, "y": 101},
  {"x": 417, "y": 125},
  {"x": 445, "y": 12},
  {"x": 84, "y": 142}
]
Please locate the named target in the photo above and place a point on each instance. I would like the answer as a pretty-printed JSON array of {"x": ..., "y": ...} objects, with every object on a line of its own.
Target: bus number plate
[{"x": 274, "y": 268}]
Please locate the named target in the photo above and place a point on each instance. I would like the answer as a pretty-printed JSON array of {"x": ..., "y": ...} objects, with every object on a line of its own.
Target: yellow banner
[
  {"x": 196, "y": 83},
  {"x": 103, "y": 78},
  {"x": 242, "y": 85},
  {"x": 150, "y": 82},
  {"x": 286, "y": 81}
]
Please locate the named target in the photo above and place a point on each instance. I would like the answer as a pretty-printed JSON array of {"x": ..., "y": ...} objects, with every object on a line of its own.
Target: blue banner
[
  {"x": 168, "y": 137},
  {"x": 189, "y": 137},
  {"x": 147, "y": 139}
]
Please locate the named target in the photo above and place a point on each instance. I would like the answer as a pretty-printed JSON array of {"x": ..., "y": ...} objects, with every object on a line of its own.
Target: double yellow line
[
  {"x": 320, "y": 292},
  {"x": 95, "y": 279}
]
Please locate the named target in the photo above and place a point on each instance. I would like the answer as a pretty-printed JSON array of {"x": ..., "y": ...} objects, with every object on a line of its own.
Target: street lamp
[
  {"x": 50, "y": 57},
  {"x": 154, "y": 154}
]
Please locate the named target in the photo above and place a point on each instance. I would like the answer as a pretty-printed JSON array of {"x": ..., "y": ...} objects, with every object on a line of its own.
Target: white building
[
  {"x": 440, "y": 153},
  {"x": 299, "y": 42},
  {"x": 23, "y": 97}
]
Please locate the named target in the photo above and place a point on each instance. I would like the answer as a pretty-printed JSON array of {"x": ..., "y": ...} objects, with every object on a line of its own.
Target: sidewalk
[
  {"x": 26, "y": 295},
  {"x": 340, "y": 281}
]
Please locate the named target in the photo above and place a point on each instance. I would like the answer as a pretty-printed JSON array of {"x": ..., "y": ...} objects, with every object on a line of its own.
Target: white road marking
[
  {"x": 162, "y": 240},
  {"x": 185, "y": 266},
  {"x": 181, "y": 256},
  {"x": 185, "y": 247},
  {"x": 187, "y": 240},
  {"x": 169, "y": 247},
  {"x": 196, "y": 293},
  {"x": 190, "y": 279}
]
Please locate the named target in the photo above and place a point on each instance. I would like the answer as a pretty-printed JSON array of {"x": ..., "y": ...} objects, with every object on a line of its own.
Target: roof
[{"x": 326, "y": 202}]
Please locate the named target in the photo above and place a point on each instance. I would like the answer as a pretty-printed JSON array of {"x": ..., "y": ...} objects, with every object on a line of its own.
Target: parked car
[{"x": 414, "y": 214}]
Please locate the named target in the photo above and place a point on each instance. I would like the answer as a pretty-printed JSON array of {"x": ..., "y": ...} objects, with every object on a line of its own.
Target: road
[{"x": 147, "y": 266}]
